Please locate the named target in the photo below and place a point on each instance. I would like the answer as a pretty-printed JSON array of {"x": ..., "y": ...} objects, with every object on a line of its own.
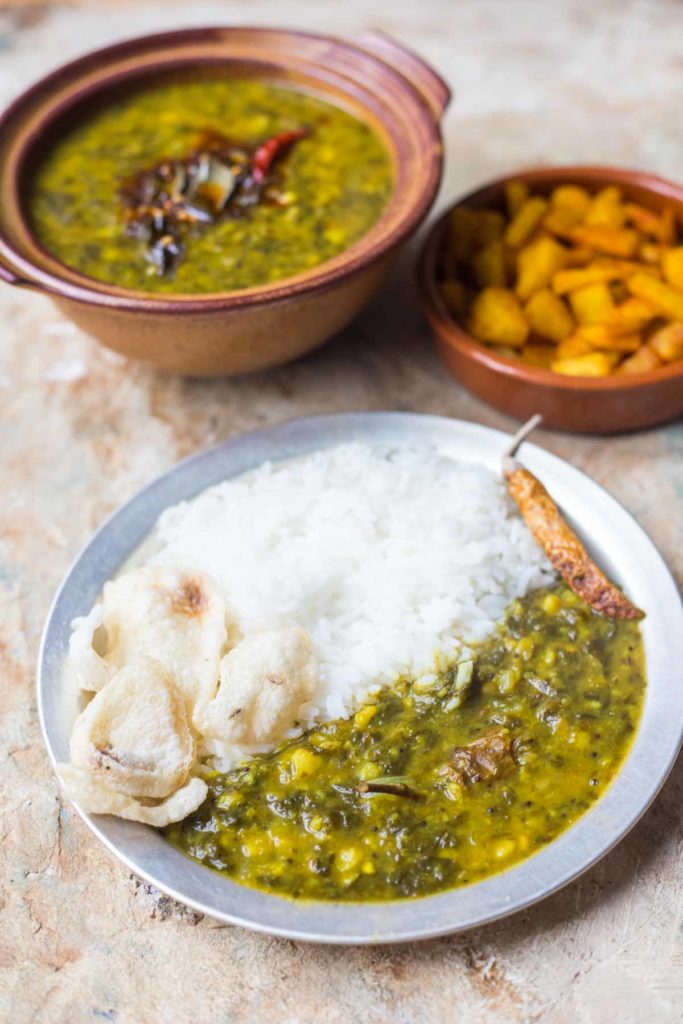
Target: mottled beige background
[{"x": 80, "y": 940}]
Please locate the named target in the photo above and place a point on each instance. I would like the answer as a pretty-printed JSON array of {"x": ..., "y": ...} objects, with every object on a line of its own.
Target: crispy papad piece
[
  {"x": 133, "y": 737},
  {"x": 172, "y": 615},
  {"x": 95, "y": 798},
  {"x": 565, "y": 551},
  {"x": 264, "y": 681}
]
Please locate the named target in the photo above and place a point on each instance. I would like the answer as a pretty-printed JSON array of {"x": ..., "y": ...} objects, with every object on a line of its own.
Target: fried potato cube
[
  {"x": 539, "y": 355},
  {"x": 614, "y": 241},
  {"x": 624, "y": 268},
  {"x": 602, "y": 337},
  {"x": 578, "y": 277},
  {"x": 559, "y": 223},
  {"x": 516, "y": 194},
  {"x": 591, "y": 304},
  {"x": 643, "y": 219},
  {"x": 525, "y": 221},
  {"x": 606, "y": 270},
  {"x": 488, "y": 226},
  {"x": 664, "y": 298},
  {"x": 631, "y": 315},
  {"x": 489, "y": 267},
  {"x": 668, "y": 226},
  {"x": 469, "y": 229},
  {"x": 667, "y": 342},
  {"x": 606, "y": 210},
  {"x": 650, "y": 253},
  {"x": 497, "y": 317},
  {"x": 672, "y": 265},
  {"x": 454, "y": 294},
  {"x": 594, "y": 364},
  {"x": 572, "y": 200},
  {"x": 536, "y": 265},
  {"x": 548, "y": 315},
  {"x": 578, "y": 257},
  {"x": 641, "y": 361},
  {"x": 461, "y": 228},
  {"x": 572, "y": 347},
  {"x": 569, "y": 204}
]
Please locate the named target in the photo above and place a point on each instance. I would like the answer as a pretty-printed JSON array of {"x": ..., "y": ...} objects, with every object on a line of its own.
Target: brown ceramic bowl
[
  {"x": 586, "y": 404},
  {"x": 240, "y": 331}
]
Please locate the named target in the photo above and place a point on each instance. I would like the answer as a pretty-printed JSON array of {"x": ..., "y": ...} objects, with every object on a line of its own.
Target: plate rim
[{"x": 315, "y": 433}]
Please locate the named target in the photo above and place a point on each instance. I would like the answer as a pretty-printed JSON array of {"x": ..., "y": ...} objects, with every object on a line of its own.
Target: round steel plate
[{"x": 621, "y": 547}]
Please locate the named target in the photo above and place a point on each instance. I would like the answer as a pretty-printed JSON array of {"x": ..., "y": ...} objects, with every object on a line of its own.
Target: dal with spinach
[
  {"x": 208, "y": 185},
  {"x": 425, "y": 791}
]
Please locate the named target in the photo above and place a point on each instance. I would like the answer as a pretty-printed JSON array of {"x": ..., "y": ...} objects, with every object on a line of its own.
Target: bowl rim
[
  {"x": 627, "y": 554},
  {"x": 370, "y": 247},
  {"x": 453, "y": 334}
]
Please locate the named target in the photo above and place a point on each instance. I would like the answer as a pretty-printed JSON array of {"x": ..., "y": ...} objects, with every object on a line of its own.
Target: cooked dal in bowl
[
  {"x": 219, "y": 200},
  {"x": 358, "y": 678},
  {"x": 208, "y": 184}
]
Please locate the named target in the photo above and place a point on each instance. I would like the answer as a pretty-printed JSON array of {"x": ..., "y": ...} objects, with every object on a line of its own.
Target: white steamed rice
[{"x": 394, "y": 562}]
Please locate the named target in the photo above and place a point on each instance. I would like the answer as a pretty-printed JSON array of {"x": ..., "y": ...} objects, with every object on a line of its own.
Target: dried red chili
[{"x": 270, "y": 150}]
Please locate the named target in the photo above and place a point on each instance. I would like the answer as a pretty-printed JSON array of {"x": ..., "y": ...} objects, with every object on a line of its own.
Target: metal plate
[{"x": 623, "y": 550}]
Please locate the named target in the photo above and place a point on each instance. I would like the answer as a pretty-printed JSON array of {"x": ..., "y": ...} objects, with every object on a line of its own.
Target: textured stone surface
[{"x": 80, "y": 940}]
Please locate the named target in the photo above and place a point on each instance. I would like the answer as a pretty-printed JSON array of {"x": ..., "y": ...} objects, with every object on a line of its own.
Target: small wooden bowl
[
  {"x": 236, "y": 332},
  {"x": 582, "y": 404}
]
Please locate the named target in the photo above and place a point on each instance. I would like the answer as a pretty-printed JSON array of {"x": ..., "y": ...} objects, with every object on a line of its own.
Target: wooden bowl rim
[{"x": 457, "y": 337}]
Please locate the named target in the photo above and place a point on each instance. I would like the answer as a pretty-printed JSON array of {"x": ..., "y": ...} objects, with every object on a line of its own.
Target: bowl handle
[{"x": 434, "y": 91}]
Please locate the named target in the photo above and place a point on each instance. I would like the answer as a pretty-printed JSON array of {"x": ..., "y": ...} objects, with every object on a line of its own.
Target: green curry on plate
[{"x": 429, "y": 789}]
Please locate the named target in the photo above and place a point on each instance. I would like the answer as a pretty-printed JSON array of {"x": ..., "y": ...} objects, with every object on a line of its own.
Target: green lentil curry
[
  {"x": 331, "y": 187},
  {"x": 425, "y": 791}
]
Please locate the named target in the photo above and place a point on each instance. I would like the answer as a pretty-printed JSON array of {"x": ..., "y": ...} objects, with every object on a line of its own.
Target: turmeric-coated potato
[
  {"x": 516, "y": 194},
  {"x": 578, "y": 277},
  {"x": 643, "y": 219},
  {"x": 606, "y": 209},
  {"x": 488, "y": 226},
  {"x": 631, "y": 315},
  {"x": 572, "y": 200},
  {"x": 650, "y": 252},
  {"x": 672, "y": 265},
  {"x": 595, "y": 364},
  {"x": 665, "y": 299},
  {"x": 613, "y": 241},
  {"x": 537, "y": 263},
  {"x": 641, "y": 361},
  {"x": 548, "y": 316},
  {"x": 525, "y": 221},
  {"x": 667, "y": 342},
  {"x": 667, "y": 226},
  {"x": 573, "y": 346},
  {"x": 461, "y": 234},
  {"x": 579, "y": 282},
  {"x": 489, "y": 267},
  {"x": 602, "y": 337},
  {"x": 538, "y": 355},
  {"x": 497, "y": 316},
  {"x": 591, "y": 304}
]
